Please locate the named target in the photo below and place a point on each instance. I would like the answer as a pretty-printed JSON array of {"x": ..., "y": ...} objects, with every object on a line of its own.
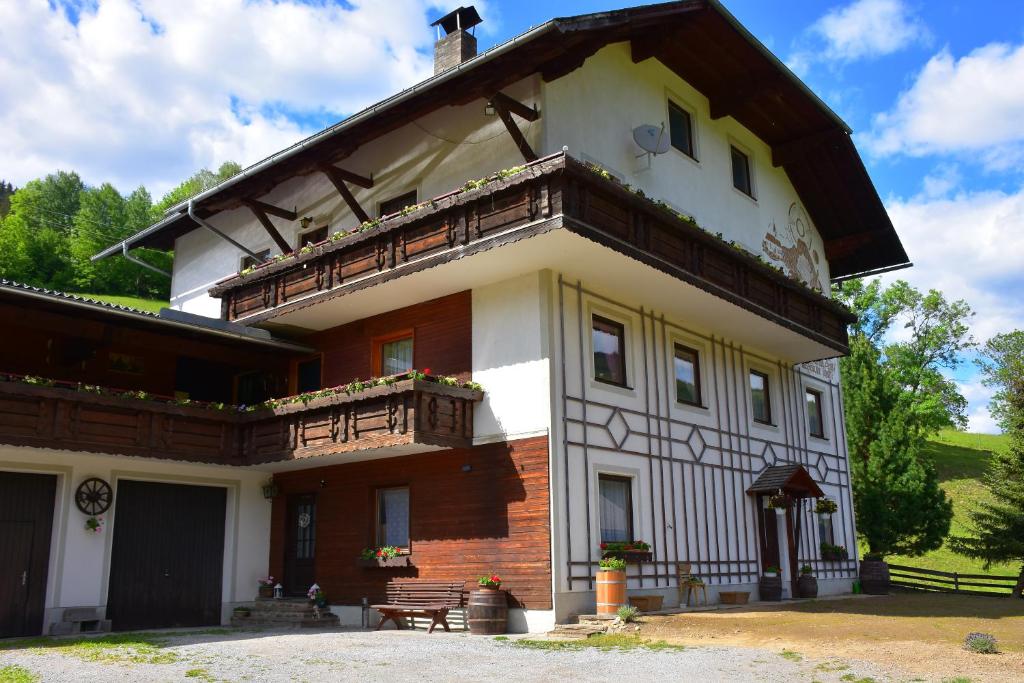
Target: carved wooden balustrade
[
  {"x": 406, "y": 414},
  {"x": 554, "y": 193}
]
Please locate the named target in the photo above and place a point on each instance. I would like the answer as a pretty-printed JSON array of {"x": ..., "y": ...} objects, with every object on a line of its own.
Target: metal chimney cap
[{"x": 461, "y": 19}]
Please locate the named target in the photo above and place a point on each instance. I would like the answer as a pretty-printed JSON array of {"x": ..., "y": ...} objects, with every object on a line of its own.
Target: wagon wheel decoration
[{"x": 93, "y": 496}]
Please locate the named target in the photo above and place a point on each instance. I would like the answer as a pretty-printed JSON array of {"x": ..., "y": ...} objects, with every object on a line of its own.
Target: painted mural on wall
[{"x": 791, "y": 248}]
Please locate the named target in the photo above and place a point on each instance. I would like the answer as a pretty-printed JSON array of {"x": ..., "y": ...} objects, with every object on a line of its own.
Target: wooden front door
[
  {"x": 167, "y": 562},
  {"x": 300, "y": 544},
  {"x": 26, "y": 521},
  {"x": 770, "y": 556}
]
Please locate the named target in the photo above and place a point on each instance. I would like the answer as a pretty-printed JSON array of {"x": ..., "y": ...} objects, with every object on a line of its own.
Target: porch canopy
[{"x": 792, "y": 480}]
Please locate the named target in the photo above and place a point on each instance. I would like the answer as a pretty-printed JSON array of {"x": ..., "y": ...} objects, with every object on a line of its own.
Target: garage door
[
  {"x": 168, "y": 556},
  {"x": 26, "y": 519}
]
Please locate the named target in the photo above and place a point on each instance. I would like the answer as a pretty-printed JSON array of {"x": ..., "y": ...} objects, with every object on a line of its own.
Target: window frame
[
  {"x": 381, "y": 204},
  {"x": 823, "y": 521},
  {"x": 244, "y": 260},
  {"x": 377, "y": 349},
  {"x": 621, "y": 326},
  {"x": 378, "y": 532},
  {"x": 692, "y": 134},
  {"x": 621, "y": 478},
  {"x": 748, "y": 158},
  {"x": 697, "y": 385},
  {"x": 767, "y": 396},
  {"x": 819, "y": 398}
]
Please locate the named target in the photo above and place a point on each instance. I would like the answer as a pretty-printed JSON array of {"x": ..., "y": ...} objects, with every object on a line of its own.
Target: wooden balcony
[
  {"x": 554, "y": 193},
  {"x": 408, "y": 415}
]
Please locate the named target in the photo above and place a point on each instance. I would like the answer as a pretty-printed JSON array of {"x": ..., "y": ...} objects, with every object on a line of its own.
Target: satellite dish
[{"x": 651, "y": 139}]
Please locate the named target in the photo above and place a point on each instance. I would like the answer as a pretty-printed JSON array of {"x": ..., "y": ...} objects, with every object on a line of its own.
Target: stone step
[
  {"x": 575, "y": 631},
  {"x": 326, "y": 620}
]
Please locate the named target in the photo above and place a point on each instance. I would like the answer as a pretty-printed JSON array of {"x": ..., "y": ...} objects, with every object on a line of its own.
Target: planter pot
[
  {"x": 266, "y": 591},
  {"x": 241, "y": 611},
  {"x": 807, "y": 586},
  {"x": 874, "y": 577},
  {"x": 380, "y": 562},
  {"x": 631, "y": 556},
  {"x": 647, "y": 603},
  {"x": 833, "y": 557},
  {"x": 771, "y": 588},
  {"x": 488, "y": 611},
  {"x": 611, "y": 591},
  {"x": 734, "y": 597}
]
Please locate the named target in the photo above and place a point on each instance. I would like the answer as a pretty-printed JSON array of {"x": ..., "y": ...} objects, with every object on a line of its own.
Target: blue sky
[{"x": 146, "y": 91}]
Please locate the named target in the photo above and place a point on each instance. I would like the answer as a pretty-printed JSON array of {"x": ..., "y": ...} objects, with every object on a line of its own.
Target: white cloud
[
  {"x": 971, "y": 105},
  {"x": 978, "y": 417},
  {"x": 864, "y": 29},
  {"x": 147, "y": 91}
]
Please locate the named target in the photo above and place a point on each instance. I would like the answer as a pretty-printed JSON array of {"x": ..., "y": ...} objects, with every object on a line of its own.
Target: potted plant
[
  {"x": 826, "y": 506},
  {"x": 807, "y": 584},
  {"x": 488, "y": 607},
  {"x": 779, "y": 502},
  {"x": 611, "y": 585},
  {"x": 771, "y": 584},
  {"x": 384, "y": 556},
  {"x": 316, "y": 596},
  {"x": 631, "y": 551},
  {"x": 241, "y": 611},
  {"x": 833, "y": 553},
  {"x": 874, "y": 574},
  {"x": 266, "y": 587}
]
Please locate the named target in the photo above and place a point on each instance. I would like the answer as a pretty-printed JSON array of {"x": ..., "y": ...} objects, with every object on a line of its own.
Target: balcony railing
[
  {"x": 408, "y": 413},
  {"x": 557, "y": 192}
]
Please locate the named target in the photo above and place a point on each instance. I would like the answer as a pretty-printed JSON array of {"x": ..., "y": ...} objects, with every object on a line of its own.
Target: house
[{"x": 587, "y": 340}]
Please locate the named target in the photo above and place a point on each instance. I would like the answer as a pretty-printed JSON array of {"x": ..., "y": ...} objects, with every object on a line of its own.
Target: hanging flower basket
[{"x": 826, "y": 506}]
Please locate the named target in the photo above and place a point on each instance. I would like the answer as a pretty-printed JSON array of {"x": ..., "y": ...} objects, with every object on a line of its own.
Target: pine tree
[{"x": 997, "y": 524}]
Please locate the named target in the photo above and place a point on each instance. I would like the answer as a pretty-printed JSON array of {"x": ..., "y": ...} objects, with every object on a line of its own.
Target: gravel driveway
[{"x": 395, "y": 656}]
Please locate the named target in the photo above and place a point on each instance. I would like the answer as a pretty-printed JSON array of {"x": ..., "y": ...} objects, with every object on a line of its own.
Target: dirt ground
[{"x": 914, "y": 635}]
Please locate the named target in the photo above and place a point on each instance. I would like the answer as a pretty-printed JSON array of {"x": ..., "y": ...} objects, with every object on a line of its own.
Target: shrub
[
  {"x": 982, "y": 643},
  {"x": 806, "y": 569},
  {"x": 612, "y": 564},
  {"x": 627, "y": 613}
]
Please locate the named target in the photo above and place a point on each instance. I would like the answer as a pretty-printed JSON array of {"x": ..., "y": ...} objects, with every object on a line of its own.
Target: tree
[
  {"x": 896, "y": 396},
  {"x": 997, "y": 524},
  {"x": 203, "y": 180},
  {"x": 6, "y": 190}
]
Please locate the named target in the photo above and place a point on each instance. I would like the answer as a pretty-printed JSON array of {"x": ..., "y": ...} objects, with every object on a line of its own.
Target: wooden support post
[
  {"x": 258, "y": 210},
  {"x": 338, "y": 177},
  {"x": 505, "y": 106}
]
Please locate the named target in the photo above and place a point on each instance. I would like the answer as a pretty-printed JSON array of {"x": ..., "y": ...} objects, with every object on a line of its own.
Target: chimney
[{"x": 457, "y": 45}]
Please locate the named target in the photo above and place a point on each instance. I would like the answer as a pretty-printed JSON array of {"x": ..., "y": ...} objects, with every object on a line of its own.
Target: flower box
[
  {"x": 385, "y": 562},
  {"x": 630, "y": 556}
]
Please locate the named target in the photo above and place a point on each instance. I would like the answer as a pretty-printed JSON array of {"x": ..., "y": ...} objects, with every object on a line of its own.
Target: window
[
  {"x": 397, "y": 204},
  {"x": 392, "y": 355},
  {"x": 307, "y": 375},
  {"x": 616, "y": 508},
  {"x": 393, "y": 517},
  {"x": 250, "y": 262},
  {"x": 609, "y": 340},
  {"x": 687, "y": 367},
  {"x": 826, "y": 534},
  {"x": 680, "y": 125},
  {"x": 741, "y": 172},
  {"x": 815, "y": 423},
  {"x": 760, "y": 398},
  {"x": 313, "y": 237}
]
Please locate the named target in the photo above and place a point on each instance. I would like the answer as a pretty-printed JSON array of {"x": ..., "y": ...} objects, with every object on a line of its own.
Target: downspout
[
  {"x": 140, "y": 262},
  {"x": 208, "y": 226}
]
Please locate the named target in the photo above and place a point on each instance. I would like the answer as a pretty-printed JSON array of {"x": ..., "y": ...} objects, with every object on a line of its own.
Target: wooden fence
[{"x": 951, "y": 582}]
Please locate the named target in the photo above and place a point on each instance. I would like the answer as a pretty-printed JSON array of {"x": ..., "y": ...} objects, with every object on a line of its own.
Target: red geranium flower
[
  {"x": 380, "y": 553},
  {"x": 426, "y": 371},
  {"x": 604, "y": 546}
]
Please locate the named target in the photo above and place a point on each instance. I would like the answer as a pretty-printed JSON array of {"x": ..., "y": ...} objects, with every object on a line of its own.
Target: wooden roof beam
[
  {"x": 793, "y": 151},
  {"x": 272, "y": 210},
  {"x": 338, "y": 177},
  {"x": 729, "y": 100},
  {"x": 841, "y": 247},
  {"x": 259, "y": 210},
  {"x": 505, "y": 106}
]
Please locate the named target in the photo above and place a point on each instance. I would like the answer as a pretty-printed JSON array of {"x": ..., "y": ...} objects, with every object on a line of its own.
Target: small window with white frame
[
  {"x": 686, "y": 365},
  {"x": 742, "y": 171},
  {"x": 393, "y": 517},
  {"x": 815, "y": 413},
  {"x": 760, "y": 397},
  {"x": 826, "y": 532},
  {"x": 616, "y": 508},
  {"x": 608, "y": 341},
  {"x": 680, "y": 129}
]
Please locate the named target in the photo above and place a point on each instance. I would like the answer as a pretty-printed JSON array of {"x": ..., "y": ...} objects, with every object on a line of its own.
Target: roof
[
  {"x": 793, "y": 479},
  {"x": 699, "y": 40},
  {"x": 168, "y": 319}
]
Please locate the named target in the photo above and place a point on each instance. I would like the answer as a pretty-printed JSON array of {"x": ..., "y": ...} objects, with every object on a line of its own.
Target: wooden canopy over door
[
  {"x": 796, "y": 484},
  {"x": 26, "y": 521}
]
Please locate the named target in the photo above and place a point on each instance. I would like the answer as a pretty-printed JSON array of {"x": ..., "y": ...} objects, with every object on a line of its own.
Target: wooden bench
[{"x": 420, "y": 599}]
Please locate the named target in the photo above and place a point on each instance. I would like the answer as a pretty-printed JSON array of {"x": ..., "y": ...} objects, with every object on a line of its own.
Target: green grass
[
  {"x": 137, "y": 648},
  {"x": 602, "y": 641},
  {"x": 960, "y": 460},
  {"x": 17, "y": 674},
  {"x": 149, "y": 305},
  {"x": 201, "y": 674},
  {"x": 791, "y": 656}
]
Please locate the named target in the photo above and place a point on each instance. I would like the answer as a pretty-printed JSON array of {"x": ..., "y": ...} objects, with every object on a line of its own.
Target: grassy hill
[
  {"x": 960, "y": 460},
  {"x": 148, "y": 305}
]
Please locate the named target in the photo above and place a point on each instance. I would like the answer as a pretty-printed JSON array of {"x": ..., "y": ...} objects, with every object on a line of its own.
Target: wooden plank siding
[
  {"x": 406, "y": 413},
  {"x": 557, "y": 192},
  {"x": 493, "y": 518}
]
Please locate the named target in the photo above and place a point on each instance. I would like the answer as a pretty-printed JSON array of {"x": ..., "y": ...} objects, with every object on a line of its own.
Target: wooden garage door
[
  {"x": 26, "y": 520},
  {"x": 168, "y": 557}
]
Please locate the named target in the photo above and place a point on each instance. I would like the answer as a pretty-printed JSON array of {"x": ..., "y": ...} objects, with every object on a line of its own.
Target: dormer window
[{"x": 741, "y": 172}]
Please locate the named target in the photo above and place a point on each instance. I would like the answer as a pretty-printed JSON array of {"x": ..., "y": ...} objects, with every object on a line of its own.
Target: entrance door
[
  {"x": 26, "y": 520},
  {"x": 167, "y": 562},
  {"x": 300, "y": 544},
  {"x": 769, "y": 537}
]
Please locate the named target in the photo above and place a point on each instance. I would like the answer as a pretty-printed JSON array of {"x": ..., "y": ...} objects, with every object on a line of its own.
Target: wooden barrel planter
[
  {"x": 488, "y": 612},
  {"x": 611, "y": 591},
  {"x": 771, "y": 588},
  {"x": 807, "y": 586},
  {"x": 874, "y": 577}
]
